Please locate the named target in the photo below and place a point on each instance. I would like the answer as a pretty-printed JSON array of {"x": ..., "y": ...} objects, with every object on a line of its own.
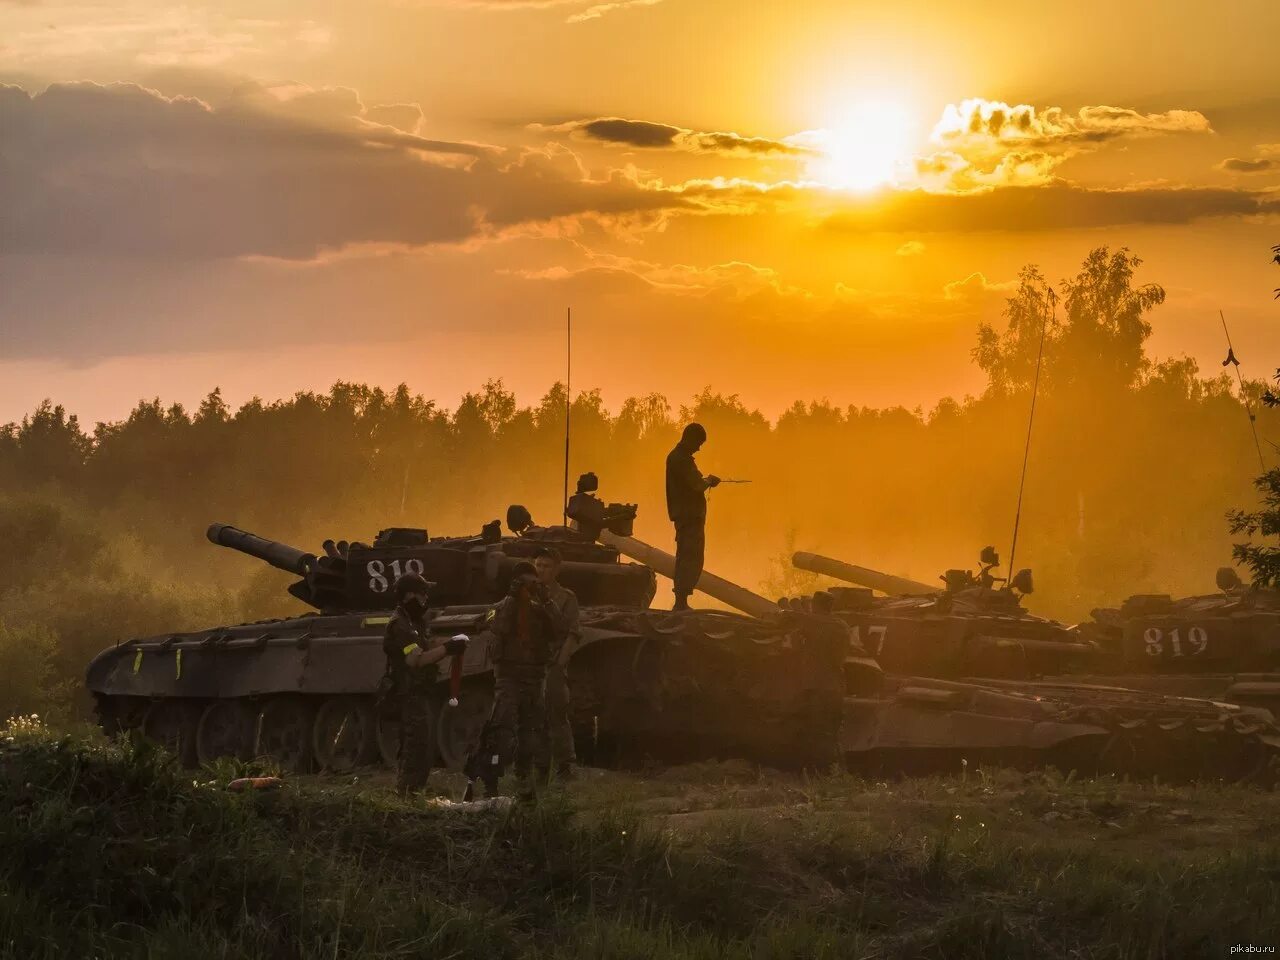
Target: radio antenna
[
  {"x": 568, "y": 405},
  {"x": 1031, "y": 419},
  {"x": 1244, "y": 397}
]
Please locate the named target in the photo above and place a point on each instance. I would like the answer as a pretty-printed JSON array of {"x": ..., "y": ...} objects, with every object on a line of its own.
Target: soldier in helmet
[
  {"x": 687, "y": 508},
  {"x": 527, "y": 626},
  {"x": 412, "y": 669}
]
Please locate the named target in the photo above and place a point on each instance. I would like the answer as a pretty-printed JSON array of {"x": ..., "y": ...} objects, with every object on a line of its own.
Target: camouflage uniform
[
  {"x": 525, "y": 638},
  {"x": 557, "y": 688},
  {"x": 411, "y": 686}
]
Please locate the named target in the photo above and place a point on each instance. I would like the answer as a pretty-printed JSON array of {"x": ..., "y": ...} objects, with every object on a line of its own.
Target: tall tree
[{"x": 1099, "y": 342}]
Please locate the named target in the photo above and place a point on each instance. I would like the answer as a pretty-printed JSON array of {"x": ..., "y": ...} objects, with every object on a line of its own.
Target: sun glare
[{"x": 865, "y": 149}]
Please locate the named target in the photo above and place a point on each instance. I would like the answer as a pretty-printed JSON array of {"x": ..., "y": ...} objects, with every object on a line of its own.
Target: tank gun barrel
[
  {"x": 279, "y": 555},
  {"x": 862, "y": 576},
  {"x": 664, "y": 563}
]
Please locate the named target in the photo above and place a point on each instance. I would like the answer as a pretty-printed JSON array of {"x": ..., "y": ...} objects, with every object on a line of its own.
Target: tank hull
[{"x": 644, "y": 685}]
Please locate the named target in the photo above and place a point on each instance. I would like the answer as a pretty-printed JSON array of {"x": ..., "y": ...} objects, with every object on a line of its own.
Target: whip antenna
[
  {"x": 1031, "y": 419},
  {"x": 568, "y": 403},
  {"x": 1244, "y": 397}
]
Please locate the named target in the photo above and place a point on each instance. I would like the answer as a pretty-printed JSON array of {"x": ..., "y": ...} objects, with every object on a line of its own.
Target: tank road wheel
[
  {"x": 460, "y": 727},
  {"x": 226, "y": 730},
  {"x": 344, "y": 735},
  {"x": 172, "y": 724},
  {"x": 283, "y": 732}
]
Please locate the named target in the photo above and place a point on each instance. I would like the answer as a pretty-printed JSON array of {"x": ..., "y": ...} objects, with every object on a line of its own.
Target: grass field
[{"x": 107, "y": 850}]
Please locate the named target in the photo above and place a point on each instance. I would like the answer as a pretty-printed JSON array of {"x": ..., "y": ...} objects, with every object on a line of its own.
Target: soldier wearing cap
[
  {"x": 527, "y": 628},
  {"x": 412, "y": 669}
]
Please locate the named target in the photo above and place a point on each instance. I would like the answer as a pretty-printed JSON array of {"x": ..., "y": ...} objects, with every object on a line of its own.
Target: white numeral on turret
[
  {"x": 1197, "y": 638},
  {"x": 377, "y": 571},
  {"x": 875, "y": 639},
  {"x": 1153, "y": 636}
]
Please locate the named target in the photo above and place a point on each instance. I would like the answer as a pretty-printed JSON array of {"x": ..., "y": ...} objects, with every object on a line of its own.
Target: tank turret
[
  {"x": 462, "y": 570},
  {"x": 968, "y": 625}
]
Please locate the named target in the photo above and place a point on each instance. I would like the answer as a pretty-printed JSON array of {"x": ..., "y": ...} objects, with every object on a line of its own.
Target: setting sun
[{"x": 865, "y": 149}]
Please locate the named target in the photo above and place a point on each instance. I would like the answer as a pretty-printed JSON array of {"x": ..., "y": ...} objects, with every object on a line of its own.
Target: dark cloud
[
  {"x": 646, "y": 134},
  {"x": 281, "y": 171},
  {"x": 1058, "y": 206},
  {"x": 1238, "y": 165},
  {"x": 632, "y": 133}
]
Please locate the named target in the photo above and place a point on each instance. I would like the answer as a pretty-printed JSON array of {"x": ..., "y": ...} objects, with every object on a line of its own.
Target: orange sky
[{"x": 784, "y": 201}]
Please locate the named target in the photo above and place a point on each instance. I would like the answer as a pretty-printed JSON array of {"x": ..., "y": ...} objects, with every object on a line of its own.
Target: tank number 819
[
  {"x": 377, "y": 571},
  {"x": 1197, "y": 641}
]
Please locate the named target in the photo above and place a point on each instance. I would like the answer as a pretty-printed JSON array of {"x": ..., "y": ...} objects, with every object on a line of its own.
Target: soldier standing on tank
[
  {"x": 526, "y": 628},
  {"x": 412, "y": 669},
  {"x": 687, "y": 508},
  {"x": 547, "y": 564}
]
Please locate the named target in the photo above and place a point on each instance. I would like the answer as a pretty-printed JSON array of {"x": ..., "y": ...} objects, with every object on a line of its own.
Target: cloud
[
  {"x": 282, "y": 171},
  {"x": 646, "y": 134},
  {"x": 993, "y": 120},
  {"x": 596, "y": 11},
  {"x": 46, "y": 35},
  {"x": 735, "y": 279},
  {"x": 587, "y": 10},
  {"x": 402, "y": 116},
  {"x": 1238, "y": 165},
  {"x": 1057, "y": 206},
  {"x": 986, "y": 144},
  {"x": 976, "y": 286},
  {"x": 912, "y": 248}
]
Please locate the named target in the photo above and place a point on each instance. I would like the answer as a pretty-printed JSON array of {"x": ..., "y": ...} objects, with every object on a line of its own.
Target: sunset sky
[{"x": 780, "y": 200}]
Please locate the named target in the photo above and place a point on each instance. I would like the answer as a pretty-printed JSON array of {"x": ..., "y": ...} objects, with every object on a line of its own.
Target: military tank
[
  {"x": 976, "y": 639},
  {"x": 973, "y": 625},
  {"x": 303, "y": 689},
  {"x": 1224, "y": 645}
]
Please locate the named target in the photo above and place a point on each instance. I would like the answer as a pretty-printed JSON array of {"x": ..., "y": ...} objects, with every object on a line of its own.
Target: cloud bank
[{"x": 283, "y": 171}]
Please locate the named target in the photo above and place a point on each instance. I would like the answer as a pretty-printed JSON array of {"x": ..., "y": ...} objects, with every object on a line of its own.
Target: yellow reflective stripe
[
  {"x": 177, "y": 666},
  {"x": 375, "y": 621},
  {"x": 137, "y": 661},
  {"x": 490, "y": 615},
  {"x": 410, "y": 648}
]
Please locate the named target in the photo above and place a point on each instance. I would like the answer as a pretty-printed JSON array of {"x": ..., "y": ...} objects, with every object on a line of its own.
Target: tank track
[{"x": 1151, "y": 735}]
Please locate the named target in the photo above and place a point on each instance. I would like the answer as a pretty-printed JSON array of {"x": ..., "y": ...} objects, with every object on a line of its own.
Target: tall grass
[{"x": 109, "y": 850}]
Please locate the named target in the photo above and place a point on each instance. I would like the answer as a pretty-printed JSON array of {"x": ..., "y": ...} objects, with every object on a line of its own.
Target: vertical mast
[{"x": 568, "y": 404}]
